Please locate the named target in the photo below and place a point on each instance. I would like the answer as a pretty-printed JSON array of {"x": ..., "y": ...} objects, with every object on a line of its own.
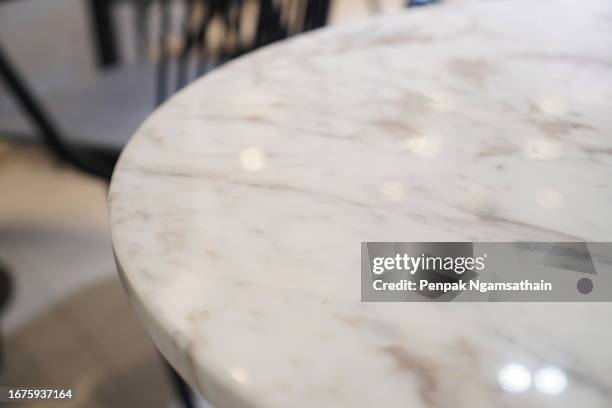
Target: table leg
[{"x": 183, "y": 390}]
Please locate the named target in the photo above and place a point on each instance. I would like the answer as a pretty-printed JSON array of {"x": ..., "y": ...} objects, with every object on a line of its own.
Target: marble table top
[{"x": 238, "y": 209}]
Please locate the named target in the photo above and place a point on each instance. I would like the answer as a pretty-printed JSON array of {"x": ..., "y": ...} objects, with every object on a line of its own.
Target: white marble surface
[{"x": 238, "y": 208}]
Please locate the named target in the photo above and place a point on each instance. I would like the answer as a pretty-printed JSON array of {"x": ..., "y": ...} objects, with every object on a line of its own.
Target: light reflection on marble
[
  {"x": 441, "y": 102},
  {"x": 423, "y": 146},
  {"x": 550, "y": 380},
  {"x": 252, "y": 159},
  {"x": 542, "y": 149},
  {"x": 514, "y": 378},
  {"x": 548, "y": 198},
  {"x": 238, "y": 208}
]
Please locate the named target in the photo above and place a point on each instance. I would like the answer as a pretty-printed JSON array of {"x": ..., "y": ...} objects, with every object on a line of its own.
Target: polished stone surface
[{"x": 238, "y": 208}]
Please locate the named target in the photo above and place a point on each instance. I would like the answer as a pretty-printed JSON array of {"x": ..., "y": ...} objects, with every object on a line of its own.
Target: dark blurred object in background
[
  {"x": 5, "y": 294},
  {"x": 194, "y": 36}
]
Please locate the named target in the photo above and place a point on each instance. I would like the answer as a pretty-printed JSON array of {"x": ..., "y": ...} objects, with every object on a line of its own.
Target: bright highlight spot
[
  {"x": 551, "y": 105},
  {"x": 239, "y": 374},
  {"x": 550, "y": 380},
  {"x": 252, "y": 159},
  {"x": 392, "y": 191},
  {"x": 542, "y": 149},
  {"x": 514, "y": 378},
  {"x": 549, "y": 198},
  {"x": 477, "y": 199},
  {"x": 425, "y": 146},
  {"x": 442, "y": 103}
]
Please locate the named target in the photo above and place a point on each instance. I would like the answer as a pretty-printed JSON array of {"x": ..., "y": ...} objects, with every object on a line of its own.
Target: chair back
[{"x": 208, "y": 33}]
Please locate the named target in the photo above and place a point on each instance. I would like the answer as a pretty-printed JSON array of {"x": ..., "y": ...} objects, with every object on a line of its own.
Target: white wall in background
[{"x": 49, "y": 41}]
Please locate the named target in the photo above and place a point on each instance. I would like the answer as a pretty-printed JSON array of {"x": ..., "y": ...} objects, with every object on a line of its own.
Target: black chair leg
[
  {"x": 180, "y": 386},
  {"x": 47, "y": 129},
  {"x": 6, "y": 290}
]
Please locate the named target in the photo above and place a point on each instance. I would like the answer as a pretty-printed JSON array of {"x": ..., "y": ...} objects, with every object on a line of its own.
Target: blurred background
[{"x": 78, "y": 77}]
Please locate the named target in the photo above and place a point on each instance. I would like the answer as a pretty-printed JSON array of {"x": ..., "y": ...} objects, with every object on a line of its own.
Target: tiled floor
[
  {"x": 53, "y": 231},
  {"x": 69, "y": 323},
  {"x": 91, "y": 342}
]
